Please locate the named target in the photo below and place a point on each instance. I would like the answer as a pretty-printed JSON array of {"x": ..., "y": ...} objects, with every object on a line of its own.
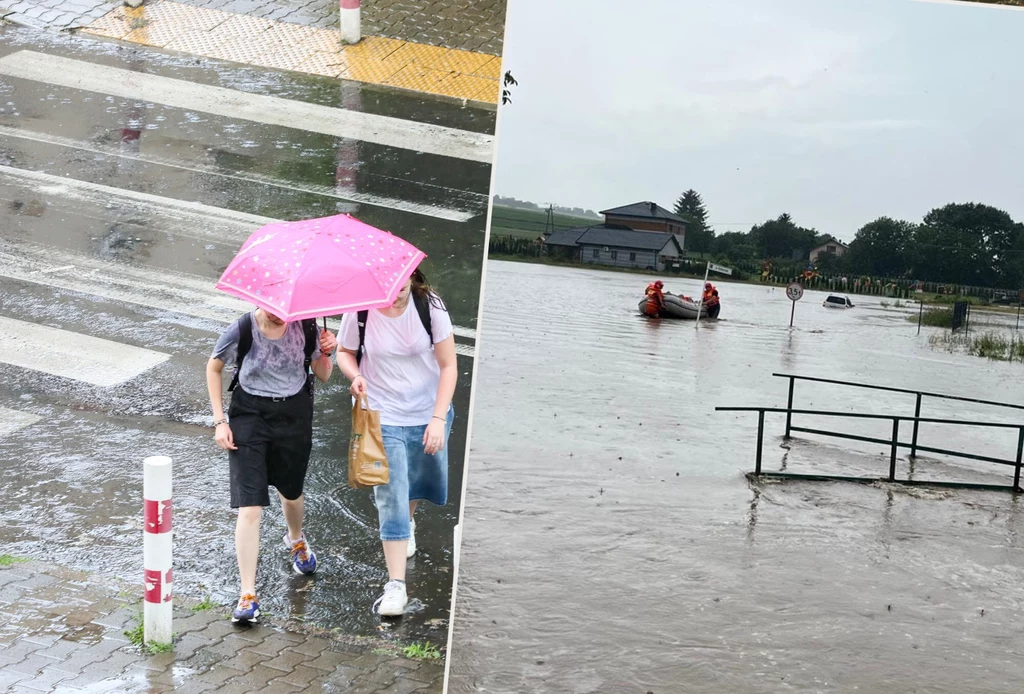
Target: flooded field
[{"x": 613, "y": 544}]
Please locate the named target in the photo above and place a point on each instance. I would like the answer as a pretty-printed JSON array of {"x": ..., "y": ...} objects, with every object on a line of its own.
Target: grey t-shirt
[{"x": 272, "y": 368}]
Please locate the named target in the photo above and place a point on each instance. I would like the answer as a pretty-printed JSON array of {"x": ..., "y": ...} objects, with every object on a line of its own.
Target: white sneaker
[
  {"x": 411, "y": 548},
  {"x": 394, "y": 600}
]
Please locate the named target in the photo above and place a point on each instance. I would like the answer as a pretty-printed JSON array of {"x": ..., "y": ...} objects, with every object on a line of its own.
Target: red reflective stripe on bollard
[
  {"x": 350, "y": 4},
  {"x": 157, "y": 516},
  {"x": 153, "y": 585}
]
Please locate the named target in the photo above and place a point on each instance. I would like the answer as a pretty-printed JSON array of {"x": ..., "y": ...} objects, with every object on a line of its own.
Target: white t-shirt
[{"x": 398, "y": 362}]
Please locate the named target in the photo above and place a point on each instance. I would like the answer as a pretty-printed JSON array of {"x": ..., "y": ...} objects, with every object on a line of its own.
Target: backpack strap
[
  {"x": 244, "y": 344},
  {"x": 309, "y": 330},
  {"x": 361, "y": 322},
  {"x": 423, "y": 308}
]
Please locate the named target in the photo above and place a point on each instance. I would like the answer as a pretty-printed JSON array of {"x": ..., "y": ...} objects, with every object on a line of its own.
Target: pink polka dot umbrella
[{"x": 320, "y": 267}]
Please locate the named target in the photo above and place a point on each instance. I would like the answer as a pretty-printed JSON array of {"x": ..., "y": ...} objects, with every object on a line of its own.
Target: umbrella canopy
[{"x": 320, "y": 267}]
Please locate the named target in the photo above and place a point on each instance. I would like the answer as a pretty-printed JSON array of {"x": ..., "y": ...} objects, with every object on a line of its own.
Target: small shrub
[
  {"x": 935, "y": 318},
  {"x": 991, "y": 346}
]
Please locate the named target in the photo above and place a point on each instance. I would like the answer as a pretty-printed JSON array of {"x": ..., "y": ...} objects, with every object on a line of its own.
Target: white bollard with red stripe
[
  {"x": 156, "y": 552},
  {"x": 351, "y": 28}
]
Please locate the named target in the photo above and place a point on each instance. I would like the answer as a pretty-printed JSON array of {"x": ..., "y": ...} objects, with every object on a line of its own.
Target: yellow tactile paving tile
[
  {"x": 283, "y": 34},
  {"x": 489, "y": 94},
  {"x": 114, "y": 24},
  {"x": 283, "y": 58},
  {"x": 281, "y": 45},
  {"x": 157, "y": 34},
  {"x": 443, "y": 59},
  {"x": 373, "y": 48},
  {"x": 490, "y": 70},
  {"x": 372, "y": 71},
  {"x": 322, "y": 63},
  {"x": 186, "y": 16}
]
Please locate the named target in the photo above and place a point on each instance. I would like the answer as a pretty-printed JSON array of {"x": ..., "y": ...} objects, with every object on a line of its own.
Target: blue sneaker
[
  {"x": 303, "y": 558},
  {"x": 248, "y": 610}
]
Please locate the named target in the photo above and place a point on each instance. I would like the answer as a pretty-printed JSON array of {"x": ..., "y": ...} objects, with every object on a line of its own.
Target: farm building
[{"x": 642, "y": 235}]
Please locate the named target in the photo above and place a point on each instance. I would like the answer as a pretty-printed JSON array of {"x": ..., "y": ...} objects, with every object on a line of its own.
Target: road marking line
[
  {"x": 73, "y": 355},
  {"x": 258, "y": 108},
  {"x": 163, "y": 290},
  {"x": 13, "y": 420},
  {"x": 187, "y": 291},
  {"x": 192, "y": 212},
  {"x": 453, "y": 214}
]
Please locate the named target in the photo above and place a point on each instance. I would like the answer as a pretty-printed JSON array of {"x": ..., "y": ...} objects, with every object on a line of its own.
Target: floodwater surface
[{"x": 612, "y": 543}]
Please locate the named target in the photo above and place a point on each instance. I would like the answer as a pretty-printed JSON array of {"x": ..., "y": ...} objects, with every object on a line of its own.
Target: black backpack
[
  {"x": 245, "y": 344},
  {"x": 422, "y": 307}
]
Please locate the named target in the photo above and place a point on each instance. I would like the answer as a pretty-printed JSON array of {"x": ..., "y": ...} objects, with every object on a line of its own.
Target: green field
[{"x": 512, "y": 221}]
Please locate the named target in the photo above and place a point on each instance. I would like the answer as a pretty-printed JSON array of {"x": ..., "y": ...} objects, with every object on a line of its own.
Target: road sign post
[
  {"x": 795, "y": 292},
  {"x": 1020, "y": 300}
]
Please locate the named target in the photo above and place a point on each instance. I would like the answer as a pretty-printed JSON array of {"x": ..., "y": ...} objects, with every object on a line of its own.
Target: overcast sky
[{"x": 836, "y": 111}]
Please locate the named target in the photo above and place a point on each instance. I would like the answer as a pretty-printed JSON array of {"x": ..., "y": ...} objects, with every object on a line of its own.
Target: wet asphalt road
[
  {"x": 612, "y": 543},
  {"x": 118, "y": 215}
]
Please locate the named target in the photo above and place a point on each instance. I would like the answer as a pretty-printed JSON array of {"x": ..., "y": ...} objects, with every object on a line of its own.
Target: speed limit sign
[{"x": 794, "y": 291}]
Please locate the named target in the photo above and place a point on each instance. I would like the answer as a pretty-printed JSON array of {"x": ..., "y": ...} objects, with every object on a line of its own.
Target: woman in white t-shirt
[{"x": 409, "y": 376}]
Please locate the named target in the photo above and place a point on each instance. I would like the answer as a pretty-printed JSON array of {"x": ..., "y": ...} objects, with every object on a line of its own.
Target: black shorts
[{"x": 274, "y": 440}]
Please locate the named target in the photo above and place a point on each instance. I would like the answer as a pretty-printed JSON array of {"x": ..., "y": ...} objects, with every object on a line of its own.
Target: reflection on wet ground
[
  {"x": 106, "y": 183},
  {"x": 612, "y": 543}
]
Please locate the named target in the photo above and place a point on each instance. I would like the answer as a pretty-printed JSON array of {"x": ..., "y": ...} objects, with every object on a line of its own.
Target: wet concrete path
[
  {"x": 62, "y": 632},
  {"x": 118, "y": 215}
]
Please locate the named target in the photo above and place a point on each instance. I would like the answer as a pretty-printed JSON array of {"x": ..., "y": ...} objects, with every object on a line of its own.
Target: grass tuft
[
  {"x": 206, "y": 604},
  {"x": 136, "y": 635},
  {"x": 421, "y": 651}
]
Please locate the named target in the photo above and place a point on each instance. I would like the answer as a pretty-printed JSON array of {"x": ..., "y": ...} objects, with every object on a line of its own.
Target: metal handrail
[
  {"x": 920, "y": 394},
  {"x": 894, "y": 442},
  {"x": 869, "y": 415}
]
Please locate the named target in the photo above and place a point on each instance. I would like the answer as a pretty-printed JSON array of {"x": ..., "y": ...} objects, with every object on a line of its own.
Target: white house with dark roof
[
  {"x": 829, "y": 246},
  {"x": 642, "y": 235}
]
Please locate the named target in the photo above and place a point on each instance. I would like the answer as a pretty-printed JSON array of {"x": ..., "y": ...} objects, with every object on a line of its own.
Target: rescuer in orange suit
[
  {"x": 655, "y": 299},
  {"x": 711, "y": 302}
]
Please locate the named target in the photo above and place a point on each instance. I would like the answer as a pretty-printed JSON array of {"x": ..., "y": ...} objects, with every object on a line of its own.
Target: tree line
[{"x": 959, "y": 243}]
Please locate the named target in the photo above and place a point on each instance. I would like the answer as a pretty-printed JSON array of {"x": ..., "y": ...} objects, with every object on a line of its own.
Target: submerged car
[{"x": 836, "y": 301}]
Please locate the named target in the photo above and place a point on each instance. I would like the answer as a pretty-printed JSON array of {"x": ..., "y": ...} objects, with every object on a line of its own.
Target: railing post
[
  {"x": 917, "y": 415},
  {"x": 789, "y": 406},
  {"x": 1020, "y": 453},
  {"x": 892, "y": 452},
  {"x": 760, "y": 439}
]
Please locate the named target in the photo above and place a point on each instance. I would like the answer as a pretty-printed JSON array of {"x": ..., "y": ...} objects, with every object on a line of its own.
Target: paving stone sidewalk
[
  {"x": 62, "y": 631},
  {"x": 471, "y": 25}
]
